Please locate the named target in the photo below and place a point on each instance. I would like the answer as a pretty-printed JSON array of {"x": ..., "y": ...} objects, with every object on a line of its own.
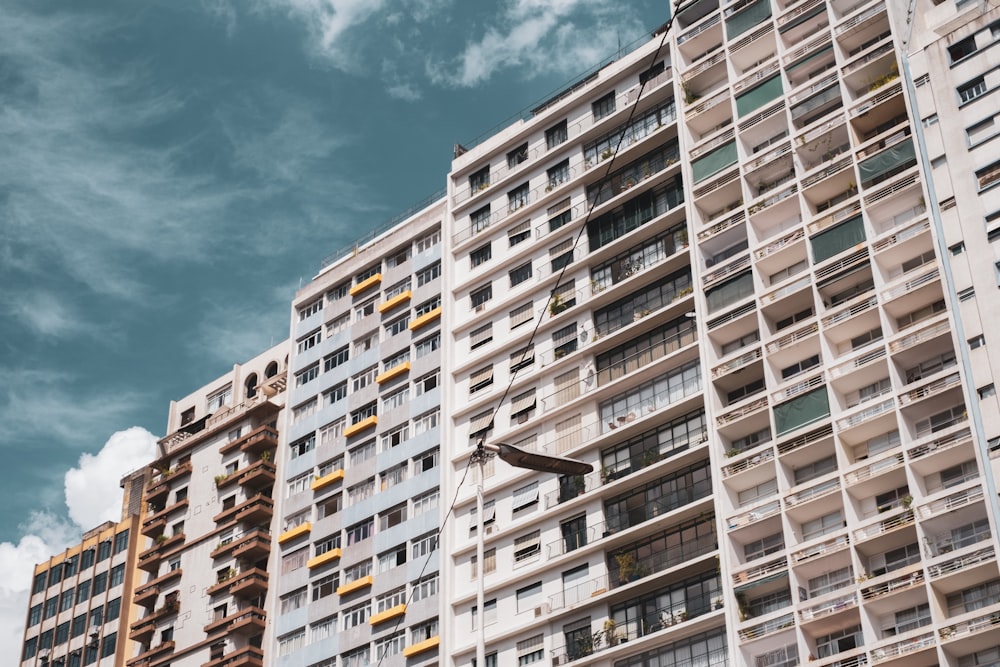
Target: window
[
  {"x": 822, "y": 526},
  {"x": 977, "y": 342},
  {"x": 564, "y": 341},
  {"x": 987, "y": 391},
  {"x": 335, "y": 359},
  {"x": 338, "y": 324},
  {"x": 427, "y": 242},
  {"x": 521, "y": 315},
  {"x": 310, "y": 341},
  {"x": 310, "y": 309},
  {"x": 962, "y": 49},
  {"x": 518, "y": 197},
  {"x": 519, "y": 232},
  {"x": 292, "y": 601},
  {"x": 333, "y": 430},
  {"x": 480, "y": 219},
  {"x": 429, "y": 274},
  {"x": 424, "y": 545},
  {"x": 390, "y": 599},
  {"x": 966, "y": 294},
  {"x": 763, "y": 547},
  {"x": 525, "y": 497},
  {"x": 529, "y": 597},
  {"x": 556, "y": 134},
  {"x": 328, "y": 507},
  {"x": 62, "y": 633},
  {"x": 427, "y": 306},
  {"x": 395, "y": 399},
  {"x": 364, "y": 309},
  {"x": 390, "y": 645},
  {"x": 356, "y": 658},
  {"x": 480, "y": 296},
  {"x": 480, "y": 379},
  {"x": 481, "y": 336},
  {"x": 426, "y": 346},
  {"x": 336, "y": 393},
  {"x": 35, "y": 615},
  {"x": 527, "y": 547},
  {"x": 517, "y": 156},
  {"x": 302, "y": 446},
  {"x": 520, "y": 274},
  {"x": 426, "y": 502},
  {"x": 66, "y": 599},
  {"x": 393, "y": 476},
  {"x": 930, "y": 120},
  {"x": 118, "y": 571},
  {"x": 561, "y": 219},
  {"x": 323, "y": 629},
  {"x": 325, "y": 586},
  {"x": 426, "y": 422},
  {"x": 557, "y": 175},
  {"x": 339, "y": 291},
  {"x": 479, "y": 180},
  {"x": 398, "y": 325},
  {"x": 219, "y": 399},
  {"x": 100, "y": 583},
  {"x": 363, "y": 379},
  {"x": 972, "y": 90},
  {"x": 988, "y": 176},
  {"x": 425, "y": 462},
  {"x": 300, "y": 412},
  {"x": 298, "y": 484},
  {"x": 296, "y": 520},
  {"x": 359, "y": 492},
  {"x": 426, "y": 383},
  {"x": 522, "y": 405},
  {"x": 360, "y": 532},
  {"x": 957, "y": 249},
  {"x": 490, "y": 560},
  {"x": 425, "y": 587},
  {"x": 291, "y": 642},
  {"x": 604, "y": 106},
  {"x": 481, "y": 255},
  {"x": 108, "y": 644},
  {"x": 308, "y": 375},
  {"x": 395, "y": 437}
]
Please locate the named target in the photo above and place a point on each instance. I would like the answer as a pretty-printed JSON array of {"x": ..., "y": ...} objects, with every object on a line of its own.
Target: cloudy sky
[{"x": 170, "y": 172}]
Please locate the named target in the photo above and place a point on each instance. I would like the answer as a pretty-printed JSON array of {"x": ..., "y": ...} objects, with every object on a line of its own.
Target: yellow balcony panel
[
  {"x": 323, "y": 559},
  {"x": 425, "y": 319},
  {"x": 420, "y": 647},
  {"x": 355, "y": 585},
  {"x": 389, "y": 613},
  {"x": 298, "y": 531},
  {"x": 327, "y": 480},
  {"x": 395, "y": 371},
  {"x": 354, "y": 429},
  {"x": 365, "y": 284},
  {"x": 402, "y": 297}
]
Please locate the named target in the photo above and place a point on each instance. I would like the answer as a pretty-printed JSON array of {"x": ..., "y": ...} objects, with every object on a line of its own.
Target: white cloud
[
  {"x": 329, "y": 23},
  {"x": 92, "y": 497},
  {"x": 45, "y": 313},
  {"x": 539, "y": 37},
  {"x": 92, "y": 492}
]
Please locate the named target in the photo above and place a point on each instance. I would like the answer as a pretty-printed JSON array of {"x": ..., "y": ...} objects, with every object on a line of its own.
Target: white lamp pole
[{"x": 518, "y": 458}]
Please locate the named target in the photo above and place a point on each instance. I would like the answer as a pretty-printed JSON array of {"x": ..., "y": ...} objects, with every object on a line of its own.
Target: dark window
[
  {"x": 480, "y": 296},
  {"x": 103, "y": 550},
  {"x": 100, "y": 583},
  {"x": 560, "y": 220},
  {"x": 518, "y": 197},
  {"x": 39, "y": 584},
  {"x": 556, "y": 134},
  {"x": 604, "y": 106},
  {"x": 79, "y": 625},
  {"x": 108, "y": 645},
  {"x": 35, "y": 615},
  {"x": 480, "y": 180},
  {"x": 87, "y": 558},
  {"x": 963, "y": 48},
  {"x": 972, "y": 90},
  {"x": 480, "y": 219},
  {"x": 112, "y": 610},
  {"x": 653, "y": 72},
  {"x": 481, "y": 255},
  {"x": 51, "y": 606},
  {"x": 558, "y": 174},
  {"x": 517, "y": 156},
  {"x": 121, "y": 541},
  {"x": 339, "y": 357},
  {"x": 520, "y": 274},
  {"x": 62, "y": 633}
]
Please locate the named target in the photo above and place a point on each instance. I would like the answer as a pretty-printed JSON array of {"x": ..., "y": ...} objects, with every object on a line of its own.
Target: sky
[{"x": 171, "y": 171}]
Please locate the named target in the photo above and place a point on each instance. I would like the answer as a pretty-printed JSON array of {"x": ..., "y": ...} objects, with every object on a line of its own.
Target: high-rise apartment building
[
  {"x": 357, "y": 565},
  {"x": 81, "y": 599},
  {"x": 207, "y": 523},
  {"x": 718, "y": 269}
]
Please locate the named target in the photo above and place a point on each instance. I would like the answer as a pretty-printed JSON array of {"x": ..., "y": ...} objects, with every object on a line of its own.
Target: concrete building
[
  {"x": 357, "y": 568},
  {"x": 207, "y": 523},
  {"x": 81, "y": 599},
  {"x": 768, "y": 329}
]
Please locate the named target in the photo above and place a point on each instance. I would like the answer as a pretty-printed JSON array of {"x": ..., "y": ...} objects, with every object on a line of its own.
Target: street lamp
[{"x": 519, "y": 458}]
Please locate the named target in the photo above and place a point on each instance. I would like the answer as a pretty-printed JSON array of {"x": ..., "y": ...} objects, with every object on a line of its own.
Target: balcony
[
  {"x": 248, "y": 584},
  {"x": 358, "y": 427},
  {"x": 261, "y": 439},
  {"x": 256, "y": 476},
  {"x": 753, "y": 516},
  {"x": 248, "y": 656},
  {"x": 929, "y": 389},
  {"x": 158, "y": 486},
  {"x": 961, "y": 563},
  {"x": 828, "y": 608},
  {"x": 250, "y": 546},
  {"x": 258, "y": 509},
  {"x": 149, "y": 560},
  {"x": 951, "y": 502},
  {"x": 354, "y": 586},
  {"x": 900, "y": 520},
  {"x": 889, "y": 585},
  {"x": 824, "y": 548},
  {"x": 421, "y": 647},
  {"x": 320, "y": 483},
  {"x": 147, "y": 594},
  {"x": 425, "y": 319},
  {"x": 761, "y": 630},
  {"x": 970, "y": 627},
  {"x": 758, "y": 572},
  {"x": 367, "y": 283},
  {"x": 248, "y": 621},
  {"x": 294, "y": 533},
  {"x": 156, "y": 655},
  {"x": 156, "y": 523},
  {"x": 902, "y": 648},
  {"x": 144, "y": 629}
]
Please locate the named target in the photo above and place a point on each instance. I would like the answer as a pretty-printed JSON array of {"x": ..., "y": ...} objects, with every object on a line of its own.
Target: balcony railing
[
  {"x": 792, "y": 338},
  {"x": 883, "y": 465},
  {"x": 700, "y": 28},
  {"x": 929, "y": 389},
  {"x": 828, "y": 607},
  {"x": 759, "y": 571},
  {"x": 805, "y": 439},
  {"x": 961, "y": 562},
  {"x": 726, "y": 271},
  {"x": 722, "y": 225},
  {"x": 787, "y": 290},
  {"x": 736, "y": 363},
  {"x": 893, "y": 585},
  {"x": 858, "y": 362},
  {"x": 743, "y": 411},
  {"x": 901, "y": 648},
  {"x": 904, "y": 518},
  {"x": 867, "y": 414},
  {"x": 951, "y": 502},
  {"x": 969, "y": 627},
  {"x": 767, "y": 628},
  {"x": 754, "y": 515},
  {"x": 859, "y": 19},
  {"x": 941, "y": 444},
  {"x": 664, "y": 559},
  {"x": 812, "y": 493},
  {"x": 748, "y": 463},
  {"x": 838, "y": 543}
]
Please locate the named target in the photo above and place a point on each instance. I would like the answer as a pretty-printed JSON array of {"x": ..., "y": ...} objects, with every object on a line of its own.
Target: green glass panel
[
  {"x": 811, "y": 57},
  {"x": 714, "y": 162},
  {"x": 729, "y": 292},
  {"x": 800, "y": 411},
  {"x": 891, "y": 158},
  {"x": 759, "y": 96},
  {"x": 747, "y": 18},
  {"x": 837, "y": 239}
]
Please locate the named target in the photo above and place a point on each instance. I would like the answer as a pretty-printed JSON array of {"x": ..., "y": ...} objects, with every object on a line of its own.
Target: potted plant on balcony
[
  {"x": 627, "y": 568},
  {"x": 219, "y": 479}
]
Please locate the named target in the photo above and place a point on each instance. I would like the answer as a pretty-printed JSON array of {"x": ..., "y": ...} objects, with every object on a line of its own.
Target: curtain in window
[
  {"x": 888, "y": 160},
  {"x": 714, "y": 162},
  {"x": 759, "y": 95},
  {"x": 837, "y": 239},
  {"x": 803, "y": 410},
  {"x": 747, "y": 18},
  {"x": 729, "y": 292}
]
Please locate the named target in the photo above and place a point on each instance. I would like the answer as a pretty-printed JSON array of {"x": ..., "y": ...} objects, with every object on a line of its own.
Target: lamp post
[{"x": 519, "y": 458}]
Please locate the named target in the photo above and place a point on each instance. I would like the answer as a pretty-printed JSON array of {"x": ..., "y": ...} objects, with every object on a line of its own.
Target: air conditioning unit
[
  {"x": 541, "y": 610},
  {"x": 489, "y": 529},
  {"x": 481, "y": 307}
]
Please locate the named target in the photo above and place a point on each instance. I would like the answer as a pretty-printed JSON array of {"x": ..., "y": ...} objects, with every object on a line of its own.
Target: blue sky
[{"x": 171, "y": 171}]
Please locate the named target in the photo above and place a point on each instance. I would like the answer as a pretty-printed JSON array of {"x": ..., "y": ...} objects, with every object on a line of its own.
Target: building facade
[
  {"x": 357, "y": 567},
  {"x": 81, "y": 600},
  {"x": 207, "y": 523},
  {"x": 719, "y": 270}
]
